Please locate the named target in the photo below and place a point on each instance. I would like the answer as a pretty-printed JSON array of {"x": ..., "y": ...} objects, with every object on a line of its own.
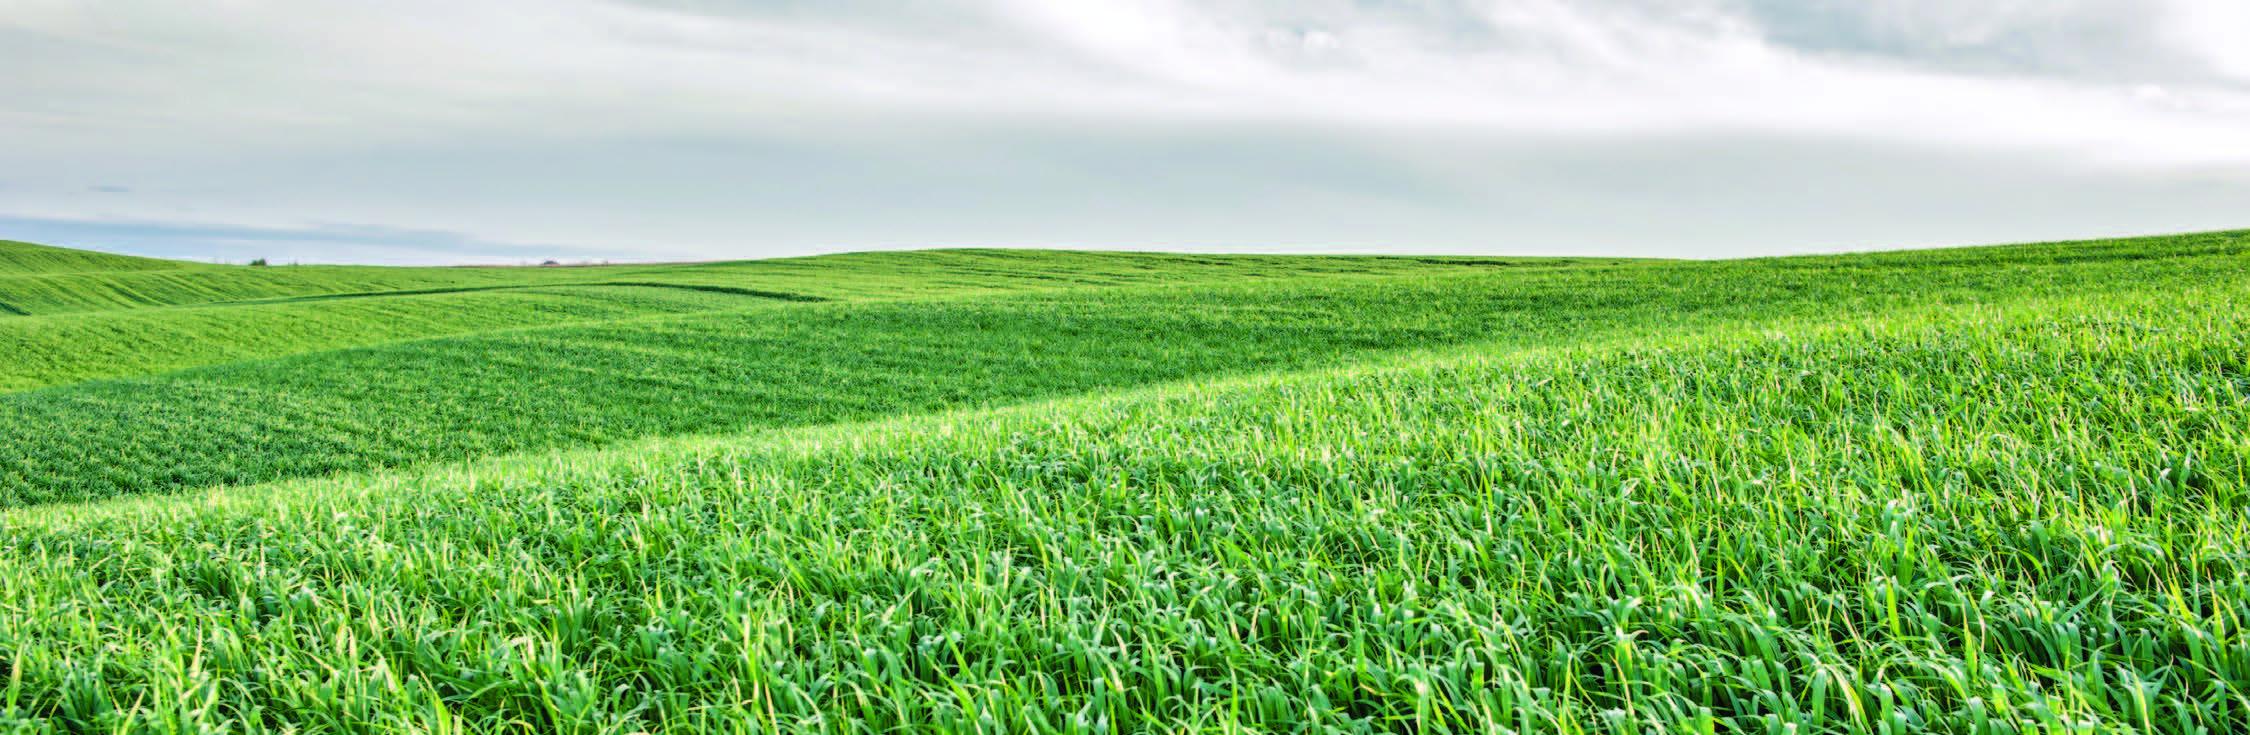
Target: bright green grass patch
[
  {"x": 1990, "y": 490},
  {"x": 309, "y": 313},
  {"x": 18, "y": 258},
  {"x": 2017, "y": 518},
  {"x": 59, "y": 293},
  {"x": 927, "y": 273},
  {"x": 801, "y": 364},
  {"x": 783, "y": 365},
  {"x": 67, "y": 348}
]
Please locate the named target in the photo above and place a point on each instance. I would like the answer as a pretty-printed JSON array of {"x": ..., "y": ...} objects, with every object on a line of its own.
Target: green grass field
[{"x": 1976, "y": 490}]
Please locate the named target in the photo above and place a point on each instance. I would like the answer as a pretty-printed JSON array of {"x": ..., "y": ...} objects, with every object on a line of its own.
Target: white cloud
[
  {"x": 2217, "y": 32},
  {"x": 268, "y": 112}
]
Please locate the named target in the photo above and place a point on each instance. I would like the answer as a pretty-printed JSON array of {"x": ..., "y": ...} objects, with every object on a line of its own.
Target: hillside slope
[
  {"x": 162, "y": 283},
  {"x": 1982, "y": 490},
  {"x": 2021, "y": 515},
  {"x": 23, "y": 258},
  {"x": 70, "y": 348},
  {"x": 777, "y": 364},
  {"x": 90, "y": 326}
]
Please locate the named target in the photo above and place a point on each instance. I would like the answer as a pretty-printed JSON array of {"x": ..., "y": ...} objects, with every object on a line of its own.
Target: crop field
[{"x": 1975, "y": 490}]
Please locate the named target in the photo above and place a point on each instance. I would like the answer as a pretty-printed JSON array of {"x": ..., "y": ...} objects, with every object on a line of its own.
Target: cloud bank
[{"x": 685, "y": 128}]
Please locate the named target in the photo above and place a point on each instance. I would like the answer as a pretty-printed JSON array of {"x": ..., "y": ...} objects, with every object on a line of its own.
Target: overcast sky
[{"x": 512, "y": 130}]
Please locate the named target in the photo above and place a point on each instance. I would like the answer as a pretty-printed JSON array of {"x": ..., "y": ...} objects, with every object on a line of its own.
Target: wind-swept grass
[
  {"x": 1993, "y": 490},
  {"x": 2027, "y": 517}
]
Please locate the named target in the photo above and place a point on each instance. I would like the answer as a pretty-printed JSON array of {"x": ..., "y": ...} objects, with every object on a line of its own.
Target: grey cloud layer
[{"x": 704, "y": 127}]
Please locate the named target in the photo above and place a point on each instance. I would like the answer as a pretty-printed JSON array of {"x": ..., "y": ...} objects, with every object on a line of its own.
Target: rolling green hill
[
  {"x": 1973, "y": 490},
  {"x": 23, "y": 258},
  {"x": 77, "y": 347},
  {"x": 64, "y": 288}
]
